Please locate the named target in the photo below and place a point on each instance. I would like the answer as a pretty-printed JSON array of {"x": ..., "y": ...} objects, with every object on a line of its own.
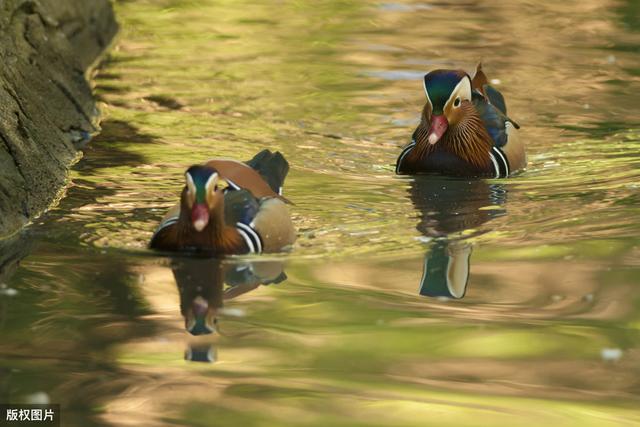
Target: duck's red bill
[
  {"x": 439, "y": 125},
  {"x": 199, "y": 216}
]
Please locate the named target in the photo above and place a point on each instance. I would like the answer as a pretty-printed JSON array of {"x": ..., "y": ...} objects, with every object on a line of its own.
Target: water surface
[{"x": 371, "y": 320}]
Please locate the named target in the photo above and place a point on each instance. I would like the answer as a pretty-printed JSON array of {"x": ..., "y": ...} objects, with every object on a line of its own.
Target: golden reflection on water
[
  {"x": 369, "y": 328},
  {"x": 337, "y": 89}
]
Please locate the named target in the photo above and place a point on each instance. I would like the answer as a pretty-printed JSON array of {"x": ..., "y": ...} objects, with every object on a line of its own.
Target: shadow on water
[
  {"x": 165, "y": 102},
  {"x": 73, "y": 221},
  {"x": 109, "y": 148},
  {"x": 62, "y": 323},
  {"x": 451, "y": 213},
  {"x": 57, "y": 326},
  {"x": 201, "y": 286},
  {"x": 629, "y": 13},
  {"x": 11, "y": 252}
]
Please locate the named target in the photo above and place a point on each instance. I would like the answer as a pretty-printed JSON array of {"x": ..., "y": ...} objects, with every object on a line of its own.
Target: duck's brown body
[
  {"x": 460, "y": 152},
  {"x": 249, "y": 216}
]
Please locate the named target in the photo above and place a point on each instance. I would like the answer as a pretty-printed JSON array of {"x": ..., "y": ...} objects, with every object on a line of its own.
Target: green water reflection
[{"x": 362, "y": 324}]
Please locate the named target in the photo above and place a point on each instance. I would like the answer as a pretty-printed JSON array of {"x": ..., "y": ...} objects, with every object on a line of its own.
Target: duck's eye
[{"x": 456, "y": 103}]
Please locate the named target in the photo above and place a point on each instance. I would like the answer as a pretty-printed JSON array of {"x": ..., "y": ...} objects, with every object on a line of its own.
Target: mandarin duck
[
  {"x": 228, "y": 207},
  {"x": 464, "y": 130}
]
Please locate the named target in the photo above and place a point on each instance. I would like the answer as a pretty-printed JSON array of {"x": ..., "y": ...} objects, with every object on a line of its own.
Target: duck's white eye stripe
[
  {"x": 211, "y": 182},
  {"x": 462, "y": 89},
  {"x": 190, "y": 184},
  {"x": 426, "y": 92}
]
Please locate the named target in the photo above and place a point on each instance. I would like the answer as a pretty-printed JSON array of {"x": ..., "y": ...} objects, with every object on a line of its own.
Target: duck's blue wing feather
[
  {"x": 494, "y": 120},
  {"x": 240, "y": 206},
  {"x": 495, "y": 98},
  {"x": 492, "y": 111}
]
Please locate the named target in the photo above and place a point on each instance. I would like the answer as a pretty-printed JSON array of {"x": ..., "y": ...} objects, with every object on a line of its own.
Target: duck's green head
[
  {"x": 203, "y": 193},
  {"x": 446, "y": 91}
]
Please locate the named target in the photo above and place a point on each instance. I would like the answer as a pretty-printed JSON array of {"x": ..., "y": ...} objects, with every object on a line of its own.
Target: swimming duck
[
  {"x": 464, "y": 130},
  {"x": 229, "y": 207}
]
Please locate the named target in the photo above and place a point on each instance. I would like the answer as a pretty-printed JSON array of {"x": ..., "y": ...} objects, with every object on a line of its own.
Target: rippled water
[{"x": 358, "y": 325}]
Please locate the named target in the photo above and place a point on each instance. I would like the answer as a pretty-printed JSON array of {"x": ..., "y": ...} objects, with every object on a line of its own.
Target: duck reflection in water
[
  {"x": 201, "y": 284},
  {"x": 451, "y": 212}
]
